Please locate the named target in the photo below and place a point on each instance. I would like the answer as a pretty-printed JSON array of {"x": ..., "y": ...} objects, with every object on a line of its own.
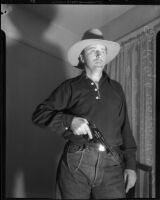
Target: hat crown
[{"x": 93, "y": 34}]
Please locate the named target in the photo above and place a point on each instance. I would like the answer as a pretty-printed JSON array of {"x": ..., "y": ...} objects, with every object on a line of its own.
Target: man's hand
[
  {"x": 129, "y": 177},
  {"x": 79, "y": 126}
]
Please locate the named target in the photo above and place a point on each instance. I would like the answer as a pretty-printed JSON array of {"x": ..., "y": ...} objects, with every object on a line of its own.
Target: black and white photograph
[{"x": 80, "y": 101}]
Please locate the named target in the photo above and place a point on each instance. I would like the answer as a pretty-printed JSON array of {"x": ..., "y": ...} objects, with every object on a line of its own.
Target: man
[{"x": 87, "y": 168}]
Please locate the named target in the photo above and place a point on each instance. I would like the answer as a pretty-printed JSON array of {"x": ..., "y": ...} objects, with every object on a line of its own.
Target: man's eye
[{"x": 93, "y": 51}]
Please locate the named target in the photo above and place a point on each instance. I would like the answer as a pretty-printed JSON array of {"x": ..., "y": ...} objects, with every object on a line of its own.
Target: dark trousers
[{"x": 90, "y": 173}]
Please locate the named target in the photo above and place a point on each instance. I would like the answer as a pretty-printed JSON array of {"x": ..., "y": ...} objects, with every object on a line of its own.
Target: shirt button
[
  {"x": 95, "y": 89},
  {"x": 92, "y": 83}
]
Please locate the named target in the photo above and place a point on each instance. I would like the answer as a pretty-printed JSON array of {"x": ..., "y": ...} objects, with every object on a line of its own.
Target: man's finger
[
  {"x": 128, "y": 187},
  {"x": 130, "y": 184},
  {"x": 125, "y": 177},
  {"x": 85, "y": 120},
  {"x": 80, "y": 131},
  {"x": 84, "y": 130},
  {"x": 89, "y": 132}
]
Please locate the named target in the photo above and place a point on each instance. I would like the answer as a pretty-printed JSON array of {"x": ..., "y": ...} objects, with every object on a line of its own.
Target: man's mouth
[{"x": 98, "y": 60}]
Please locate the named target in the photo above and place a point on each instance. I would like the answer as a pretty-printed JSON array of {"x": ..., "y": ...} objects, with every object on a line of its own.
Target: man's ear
[{"x": 81, "y": 58}]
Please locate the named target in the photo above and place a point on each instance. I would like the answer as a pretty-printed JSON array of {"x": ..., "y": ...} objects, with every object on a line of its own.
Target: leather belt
[{"x": 71, "y": 147}]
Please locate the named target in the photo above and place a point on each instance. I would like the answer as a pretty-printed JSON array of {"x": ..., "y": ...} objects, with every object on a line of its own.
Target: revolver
[{"x": 98, "y": 138}]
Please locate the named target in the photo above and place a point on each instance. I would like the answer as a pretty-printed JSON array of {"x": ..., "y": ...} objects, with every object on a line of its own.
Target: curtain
[{"x": 135, "y": 69}]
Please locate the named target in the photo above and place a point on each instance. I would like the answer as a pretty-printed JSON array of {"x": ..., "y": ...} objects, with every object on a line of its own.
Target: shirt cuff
[
  {"x": 131, "y": 164},
  {"x": 67, "y": 119}
]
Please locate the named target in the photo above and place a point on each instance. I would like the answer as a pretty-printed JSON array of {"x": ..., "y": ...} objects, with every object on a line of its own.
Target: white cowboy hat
[{"x": 91, "y": 37}]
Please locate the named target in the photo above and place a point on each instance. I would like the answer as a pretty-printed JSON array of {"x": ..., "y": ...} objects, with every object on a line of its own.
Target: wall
[
  {"x": 131, "y": 20},
  {"x": 32, "y": 72}
]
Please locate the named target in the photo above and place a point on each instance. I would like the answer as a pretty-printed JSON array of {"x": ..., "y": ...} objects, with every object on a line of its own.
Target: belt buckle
[{"x": 101, "y": 147}]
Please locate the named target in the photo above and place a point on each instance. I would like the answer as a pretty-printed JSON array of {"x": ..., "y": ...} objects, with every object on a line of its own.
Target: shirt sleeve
[
  {"x": 129, "y": 144},
  {"x": 52, "y": 112}
]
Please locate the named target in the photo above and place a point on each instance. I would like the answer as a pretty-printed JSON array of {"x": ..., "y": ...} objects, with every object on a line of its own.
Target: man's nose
[{"x": 98, "y": 53}]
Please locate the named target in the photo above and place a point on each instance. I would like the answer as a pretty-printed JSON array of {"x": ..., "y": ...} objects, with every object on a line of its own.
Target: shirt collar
[{"x": 104, "y": 77}]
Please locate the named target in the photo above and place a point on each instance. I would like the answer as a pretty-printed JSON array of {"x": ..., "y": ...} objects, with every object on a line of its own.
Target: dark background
[{"x": 158, "y": 119}]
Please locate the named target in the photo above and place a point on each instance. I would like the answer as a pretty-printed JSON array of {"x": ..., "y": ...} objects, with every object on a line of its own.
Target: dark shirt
[{"x": 105, "y": 107}]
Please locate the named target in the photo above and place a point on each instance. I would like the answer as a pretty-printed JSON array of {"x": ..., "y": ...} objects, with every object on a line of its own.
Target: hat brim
[{"x": 113, "y": 49}]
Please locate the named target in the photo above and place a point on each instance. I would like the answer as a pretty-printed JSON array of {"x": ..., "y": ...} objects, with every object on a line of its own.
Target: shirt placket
[{"x": 96, "y": 89}]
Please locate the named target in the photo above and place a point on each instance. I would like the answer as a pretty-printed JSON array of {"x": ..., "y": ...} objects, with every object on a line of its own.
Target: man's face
[{"x": 94, "y": 56}]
